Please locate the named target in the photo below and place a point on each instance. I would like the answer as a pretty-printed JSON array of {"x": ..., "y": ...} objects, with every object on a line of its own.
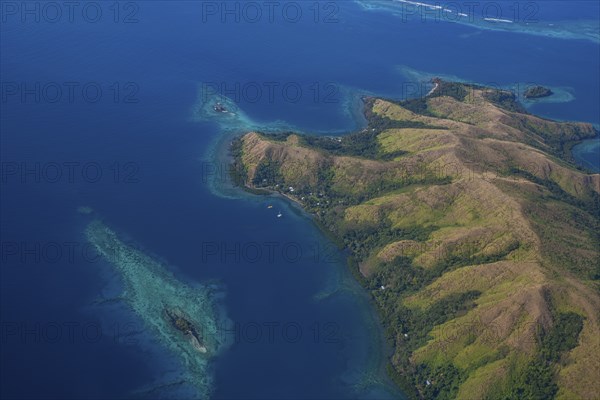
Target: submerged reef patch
[{"x": 182, "y": 317}]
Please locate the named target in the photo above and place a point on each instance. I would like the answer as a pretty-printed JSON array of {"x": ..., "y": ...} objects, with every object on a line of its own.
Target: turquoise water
[
  {"x": 559, "y": 21},
  {"x": 162, "y": 189},
  {"x": 162, "y": 302},
  {"x": 587, "y": 154}
]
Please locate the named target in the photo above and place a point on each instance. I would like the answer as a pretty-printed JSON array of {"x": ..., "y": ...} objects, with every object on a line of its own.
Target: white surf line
[
  {"x": 498, "y": 20},
  {"x": 416, "y": 3},
  {"x": 432, "y": 7}
]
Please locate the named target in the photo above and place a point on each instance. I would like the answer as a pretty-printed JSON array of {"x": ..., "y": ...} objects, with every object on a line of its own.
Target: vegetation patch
[
  {"x": 537, "y": 381},
  {"x": 536, "y": 92},
  {"x": 503, "y": 241},
  {"x": 504, "y": 99}
]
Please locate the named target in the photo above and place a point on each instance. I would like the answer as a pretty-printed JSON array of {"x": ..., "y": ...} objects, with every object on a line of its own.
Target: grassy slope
[{"x": 463, "y": 207}]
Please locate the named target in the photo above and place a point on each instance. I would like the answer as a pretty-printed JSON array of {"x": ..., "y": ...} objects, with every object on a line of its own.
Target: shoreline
[
  {"x": 352, "y": 268},
  {"x": 349, "y": 270},
  {"x": 402, "y": 378},
  {"x": 576, "y": 155},
  {"x": 352, "y": 271}
]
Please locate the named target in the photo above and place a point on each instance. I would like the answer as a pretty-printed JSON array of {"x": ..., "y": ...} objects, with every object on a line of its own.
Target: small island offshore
[
  {"x": 537, "y": 92},
  {"x": 473, "y": 231},
  {"x": 182, "y": 317}
]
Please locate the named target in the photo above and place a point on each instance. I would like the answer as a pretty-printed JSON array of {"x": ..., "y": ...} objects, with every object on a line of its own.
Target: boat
[
  {"x": 269, "y": 206},
  {"x": 279, "y": 215}
]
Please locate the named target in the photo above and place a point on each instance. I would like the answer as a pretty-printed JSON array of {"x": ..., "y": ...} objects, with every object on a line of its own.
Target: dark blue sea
[{"x": 100, "y": 110}]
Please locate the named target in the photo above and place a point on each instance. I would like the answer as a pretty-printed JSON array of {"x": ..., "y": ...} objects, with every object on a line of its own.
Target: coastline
[
  {"x": 131, "y": 152},
  {"x": 401, "y": 378},
  {"x": 351, "y": 272},
  {"x": 577, "y": 149},
  {"x": 352, "y": 269},
  {"x": 383, "y": 348}
]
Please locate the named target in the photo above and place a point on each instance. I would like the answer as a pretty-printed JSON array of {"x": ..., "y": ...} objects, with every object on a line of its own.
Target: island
[
  {"x": 184, "y": 318},
  {"x": 472, "y": 230},
  {"x": 184, "y": 325},
  {"x": 537, "y": 92},
  {"x": 219, "y": 107}
]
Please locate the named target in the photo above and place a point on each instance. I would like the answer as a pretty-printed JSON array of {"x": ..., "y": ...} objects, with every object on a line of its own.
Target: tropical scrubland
[{"x": 472, "y": 229}]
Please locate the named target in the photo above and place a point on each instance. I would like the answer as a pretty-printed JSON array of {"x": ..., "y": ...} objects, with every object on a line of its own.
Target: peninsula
[{"x": 473, "y": 231}]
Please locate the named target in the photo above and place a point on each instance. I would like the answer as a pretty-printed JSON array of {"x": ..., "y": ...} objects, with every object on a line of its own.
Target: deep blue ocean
[{"x": 102, "y": 114}]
